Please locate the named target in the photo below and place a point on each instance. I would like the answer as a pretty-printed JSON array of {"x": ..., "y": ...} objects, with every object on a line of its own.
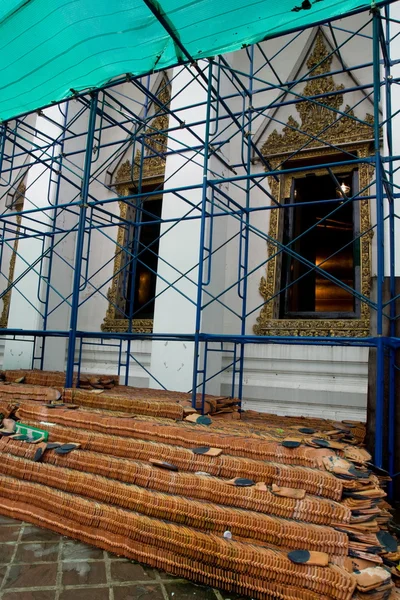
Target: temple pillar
[
  {"x": 26, "y": 307},
  {"x": 62, "y": 269},
  {"x": 175, "y": 306}
]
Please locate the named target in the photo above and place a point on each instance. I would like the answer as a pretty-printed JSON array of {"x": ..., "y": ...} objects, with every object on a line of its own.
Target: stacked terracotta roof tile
[{"x": 265, "y": 506}]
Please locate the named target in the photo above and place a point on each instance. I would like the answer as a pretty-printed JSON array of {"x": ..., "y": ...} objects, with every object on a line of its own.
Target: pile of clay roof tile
[
  {"x": 266, "y": 506},
  {"x": 123, "y": 398},
  {"x": 56, "y": 379}
]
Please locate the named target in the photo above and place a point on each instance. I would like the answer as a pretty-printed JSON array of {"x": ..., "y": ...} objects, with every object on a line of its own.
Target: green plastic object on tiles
[
  {"x": 33, "y": 433},
  {"x": 50, "y": 47}
]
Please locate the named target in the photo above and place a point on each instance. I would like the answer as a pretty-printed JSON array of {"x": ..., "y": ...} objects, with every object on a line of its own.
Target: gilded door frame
[
  {"x": 111, "y": 321},
  {"x": 268, "y": 323},
  {"x": 150, "y": 170},
  {"x": 326, "y": 128}
]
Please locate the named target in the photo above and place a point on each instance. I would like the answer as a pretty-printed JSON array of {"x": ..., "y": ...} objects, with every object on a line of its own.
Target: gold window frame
[
  {"x": 111, "y": 321},
  {"x": 268, "y": 322},
  {"x": 150, "y": 171},
  {"x": 321, "y": 133}
]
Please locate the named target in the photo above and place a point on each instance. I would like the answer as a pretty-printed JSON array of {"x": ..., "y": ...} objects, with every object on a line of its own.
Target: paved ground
[{"x": 36, "y": 564}]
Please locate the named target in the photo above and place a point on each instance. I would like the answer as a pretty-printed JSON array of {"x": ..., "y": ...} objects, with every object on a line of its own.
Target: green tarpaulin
[{"x": 48, "y": 47}]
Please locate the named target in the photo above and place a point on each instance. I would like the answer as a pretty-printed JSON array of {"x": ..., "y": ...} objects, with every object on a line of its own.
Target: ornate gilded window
[
  {"x": 138, "y": 282},
  {"x": 300, "y": 300},
  {"x": 136, "y": 252},
  {"x": 322, "y": 231},
  {"x": 17, "y": 205}
]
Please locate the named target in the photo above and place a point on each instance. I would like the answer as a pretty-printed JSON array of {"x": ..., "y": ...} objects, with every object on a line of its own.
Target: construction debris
[{"x": 265, "y": 506}]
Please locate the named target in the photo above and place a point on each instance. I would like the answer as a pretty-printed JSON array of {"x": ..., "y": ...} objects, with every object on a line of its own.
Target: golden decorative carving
[
  {"x": 330, "y": 129},
  {"x": 122, "y": 325},
  {"x": 153, "y": 164},
  {"x": 319, "y": 118},
  {"x": 18, "y": 205},
  {"x": 149, "y": 170}
]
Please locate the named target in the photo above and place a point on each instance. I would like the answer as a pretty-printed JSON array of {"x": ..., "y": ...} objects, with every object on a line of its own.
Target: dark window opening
[
  {"x": 143, "y": 267},
  {"x": 326, "y": 241}
]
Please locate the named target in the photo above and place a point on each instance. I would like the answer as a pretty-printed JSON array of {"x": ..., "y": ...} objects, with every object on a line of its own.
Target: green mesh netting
[{"x": 48, "y": 47}]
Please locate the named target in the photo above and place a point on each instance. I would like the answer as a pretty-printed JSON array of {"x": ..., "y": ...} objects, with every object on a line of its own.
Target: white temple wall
[
  {"x": 26, "y": 307},
  {"x": 103, "y": 358},
  {"x": 257, "y": 255},
  {"x": 309, "y": 380},
  {"x": 9, "y": 184},
  {"x": 7, "y": 253},
  {"x": 62, "y": 270},
  {"x": 287, "y": 63},
  {"x": 175, "y": 310},
  {"x": 215, "y": 299},
  {"x": 395, "y": 54},
  {"x": 101, "y": 256},
  {"x": 326, "y": 381}
]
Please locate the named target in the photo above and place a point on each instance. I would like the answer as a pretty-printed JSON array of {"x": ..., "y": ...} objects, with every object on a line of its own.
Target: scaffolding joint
[{"x": 374, "y": 10}]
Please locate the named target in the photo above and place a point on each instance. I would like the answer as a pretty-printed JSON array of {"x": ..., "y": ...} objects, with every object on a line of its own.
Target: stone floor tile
[
  {"x": 3, "y": 570},
  {"x": 6, "y": 552},
  {"x": 32, "y": 575},
  {"x": 35, "y": 565},
  {"x": 37, "y": 534},
  {"x": 9, "y": 533},
  {"x": 32, "y": 552},
  {"x": 128, "y": 571},
  {"x": 38, "y": 595},
  {"x": 83, "y": 573},
  {"x": 138, "y": 592},
  {"x": 164, "y": 575},
  {"x": 189, "y": 591},
  {"x": 77, "y": 551},
  {"x": 88, "y": 593}
]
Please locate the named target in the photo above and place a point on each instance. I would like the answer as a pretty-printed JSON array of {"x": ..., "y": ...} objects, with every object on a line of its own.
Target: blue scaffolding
[{"x": 224, "y": 117}]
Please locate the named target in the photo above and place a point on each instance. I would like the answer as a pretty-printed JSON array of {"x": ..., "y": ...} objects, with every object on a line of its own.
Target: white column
[
  {"x": 175, "y": 308},
  {"x": 25, "y": 307},
  {"x": 62, "y": 271}
]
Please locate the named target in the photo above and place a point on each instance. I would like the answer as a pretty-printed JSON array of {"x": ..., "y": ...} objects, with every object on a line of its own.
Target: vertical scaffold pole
[
  {"x": 392, "y": 251},
  {"x": 2, "y": 147},
  {"x": 199, "y": 299},
  {"x": 380, "y": 346},
  {"x": 54, "y": 215},
  {"x": 245, "y": 222},
  {"x": 134, "y": 245},
  {"x": 80, "y": 237}
]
